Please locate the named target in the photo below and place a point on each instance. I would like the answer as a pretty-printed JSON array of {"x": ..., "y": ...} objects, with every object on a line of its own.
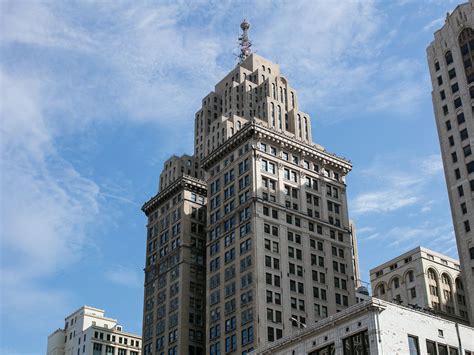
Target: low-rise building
[
  {"x": 88, "y": 332},
  {"x": 377, "y": 327},
  {"x": 422, "y": 278}
]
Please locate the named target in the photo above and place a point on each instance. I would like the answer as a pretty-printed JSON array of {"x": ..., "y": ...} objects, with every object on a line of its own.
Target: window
[
  {"x": 442, "y": 94},
  {"x": 452, "y": 73},
  {"x": 463, "y": 134},
  {"x": 357, "y": 344},
  {"x": 413, "y": 345},
  {"x": 467, "y": 150},
  {"x": 451, "y": 140},
  {"x": 457, "y": 102},
  {"x": 436, "y": 64},
  {"x": 460, "y": 118},
  {"x": 445, "y": 110},
  {"x": 470, "y": 167},
  {"x": 431, "y": 347},
  {"x": 454, "y": 157},
  {"x": 440, "y": 80},
  {"x": 449, "y": 57},
  {"x": 455, "y": 88},
  {"x": 448, "y": 125}
]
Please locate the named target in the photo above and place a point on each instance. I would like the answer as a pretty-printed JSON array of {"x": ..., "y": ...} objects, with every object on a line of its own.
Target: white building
[
  {"x": 88, "y": 331},
  {"x": 377, "y": 327},
  {"x": 425, "y": 279}
]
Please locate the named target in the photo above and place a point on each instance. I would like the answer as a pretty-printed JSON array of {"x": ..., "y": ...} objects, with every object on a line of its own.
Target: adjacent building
[
  {"x": 451, "y": 64},
  {"x": 278, "y": 250},
  {"x": 377, "y": 327},
  {"x": 174, "y": 295},
  {"x": 87, "y": 331},
  {"x": 424, "y": 279}
]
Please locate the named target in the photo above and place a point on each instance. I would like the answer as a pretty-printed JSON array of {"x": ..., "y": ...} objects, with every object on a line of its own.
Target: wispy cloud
[{"x": 392, "y": 189}]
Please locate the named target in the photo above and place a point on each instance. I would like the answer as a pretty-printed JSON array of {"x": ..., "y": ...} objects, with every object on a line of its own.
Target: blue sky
[{"x": 96, "y": 95}]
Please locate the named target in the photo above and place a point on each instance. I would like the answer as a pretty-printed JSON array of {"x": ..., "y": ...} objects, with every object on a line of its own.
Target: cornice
[
  {"x": 259, "y": 131},
  {"x": 185, "y": 182}
]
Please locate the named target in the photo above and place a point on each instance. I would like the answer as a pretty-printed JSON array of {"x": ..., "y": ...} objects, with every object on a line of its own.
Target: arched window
[
  {"x": 445, "y": 279},
  {"x": 466, "y": 45},
  {"x": 299, "y": 125},
  {"x": 274, "y": 91},
  {"x": 396, "y": 282},
  {"x": 292, "y": 99},
  {"x": 279, "y": 116},
  {"x": 281, "y": 94},
  {"x": 431, "y": 274},
  {"x": 269, "y": 71},
  {"x": 273, "y": 114},
  {"x": 410, "y": 276},
  {"x": 306, "y": 128},
  {"x": 381, "y": 289},
  {"x": 239, "y": 125},
  {"x": 263, "y": 67}
]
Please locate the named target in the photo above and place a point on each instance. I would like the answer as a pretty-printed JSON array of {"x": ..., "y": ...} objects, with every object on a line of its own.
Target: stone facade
[
  {"x": 451, "y": 64},
  {"x": 278, "y": 245},
  {"x": 377, "y": 327},
  {"x": 174, "y": 299},
  {"x": 425, "y": 279}
]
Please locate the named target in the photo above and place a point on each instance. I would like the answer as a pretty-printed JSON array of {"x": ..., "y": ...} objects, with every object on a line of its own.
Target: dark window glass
[
  {"x": 457, "y": 173},
  {"x": 454, "y": 157},
  {"x": 436, "y": 66},
  {"x": 470, "y": 167},
  {"x": 451, "y": 140},
  {"x": 442, "y": 94},
  {"x": 448, "y": 125},
  {"x": 457, "y": 102},
  {"x": 464, "y": 135},
  {"x": 467, "y": 150},
  {"x": 431, "y": 347},
  {"x": 445, "y": 110},
  {"x": 449, "y": 57},
  {"x": 440, "y": 80},
  {"x": 452, "y": 73},
  {"x": 460, "y": 118},
  {"x": 455, "y": 88}
]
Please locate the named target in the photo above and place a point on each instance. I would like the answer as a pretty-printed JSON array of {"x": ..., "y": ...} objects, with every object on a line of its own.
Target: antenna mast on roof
[{"x": 244, "y": 42}]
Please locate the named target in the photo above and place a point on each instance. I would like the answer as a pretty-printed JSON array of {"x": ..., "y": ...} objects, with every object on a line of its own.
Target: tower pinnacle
[{"x": 244, "y": 41}]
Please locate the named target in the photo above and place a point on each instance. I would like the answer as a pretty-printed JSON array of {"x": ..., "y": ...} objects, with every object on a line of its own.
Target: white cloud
[
  {"x": 45, "y": 203},
  {"x": 392, "y": 188}
]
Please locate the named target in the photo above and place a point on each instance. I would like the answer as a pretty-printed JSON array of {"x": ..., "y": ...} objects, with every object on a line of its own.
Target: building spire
[{"x": 244, "y": 42}]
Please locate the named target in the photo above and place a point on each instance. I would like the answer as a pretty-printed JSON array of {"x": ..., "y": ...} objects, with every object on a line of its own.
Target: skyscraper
[
  {"x": 174, "y": 298},
  {"x": 278, "y": 239},
  {"x": 450, "y": 58}
]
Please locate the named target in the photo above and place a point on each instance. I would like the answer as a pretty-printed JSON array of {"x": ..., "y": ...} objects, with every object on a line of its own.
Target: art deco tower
[
  {"x": 279, "y": 254},
  {"x": 451, "y": 62},
  {"x": 278, "y": 249}
]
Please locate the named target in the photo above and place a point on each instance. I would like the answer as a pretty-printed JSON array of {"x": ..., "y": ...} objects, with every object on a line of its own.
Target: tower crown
[{"x": 244, "y": 42}]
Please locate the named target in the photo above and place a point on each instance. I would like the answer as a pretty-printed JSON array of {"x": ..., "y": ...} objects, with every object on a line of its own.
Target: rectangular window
[
  {"x": 431, "y": 347},
  {"x": 413, "y": 345}
]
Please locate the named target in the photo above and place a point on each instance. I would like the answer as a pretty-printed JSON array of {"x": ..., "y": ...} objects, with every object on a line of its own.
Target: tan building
[
  {"x": 451, "y": 63},
  {"x": 279, "y": 249},
  {"x": 423, "y": 279},
  {"x": 174, "y": 298},
  {"x": 88, "y": 332}
]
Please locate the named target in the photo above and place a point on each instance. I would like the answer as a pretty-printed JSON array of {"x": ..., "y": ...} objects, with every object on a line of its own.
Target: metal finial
[{"x": 244, "y": 41}]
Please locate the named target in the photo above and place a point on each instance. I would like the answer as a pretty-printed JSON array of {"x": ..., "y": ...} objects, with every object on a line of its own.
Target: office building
[
  {"x": 88, "y": 332},
  {"x": 424, "y": 279},
  {"x": 174, "y": 296},
  {"x": 451, "y": 65},
  {"x": 279, "y": 247}
]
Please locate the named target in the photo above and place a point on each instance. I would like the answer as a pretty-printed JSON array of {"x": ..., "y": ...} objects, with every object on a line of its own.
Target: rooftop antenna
[{"x": 244, "y": 42}]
